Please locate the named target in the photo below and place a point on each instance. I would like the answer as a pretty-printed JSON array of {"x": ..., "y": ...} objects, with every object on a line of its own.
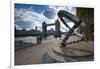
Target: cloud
[
  {"x": 29, "y": 19},
  {"x": 66, "y": 8},
  {"x": 49, "y": 14},
  {"x": 26, "y": 18}
]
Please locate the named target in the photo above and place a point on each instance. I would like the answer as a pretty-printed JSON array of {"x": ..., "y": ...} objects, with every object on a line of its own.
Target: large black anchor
[{"x": 77, "y": 21}]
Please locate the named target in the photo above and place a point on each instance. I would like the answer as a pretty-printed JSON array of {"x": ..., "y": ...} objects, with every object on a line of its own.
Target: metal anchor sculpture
[{"x": 77, "y": 21}]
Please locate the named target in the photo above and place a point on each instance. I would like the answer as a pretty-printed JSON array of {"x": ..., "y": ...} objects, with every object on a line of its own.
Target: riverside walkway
[
  {"x": 35, "y": 54},
  {"x": 32, "y": 55}
]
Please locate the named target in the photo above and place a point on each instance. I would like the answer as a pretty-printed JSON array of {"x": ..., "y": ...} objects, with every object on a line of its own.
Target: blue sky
[
  {"x": 36, "y": 8},
  {"x": 29, "y": 16}
]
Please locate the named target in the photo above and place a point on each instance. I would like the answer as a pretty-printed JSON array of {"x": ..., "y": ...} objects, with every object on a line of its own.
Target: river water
[{"x": 30, "y": 39}]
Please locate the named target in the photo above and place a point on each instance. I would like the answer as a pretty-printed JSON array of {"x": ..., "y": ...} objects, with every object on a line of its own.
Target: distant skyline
[{"x": 29, "y": 16}]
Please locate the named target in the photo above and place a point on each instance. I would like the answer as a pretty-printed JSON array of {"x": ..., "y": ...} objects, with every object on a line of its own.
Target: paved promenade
[{"x": 32, "y": 55}]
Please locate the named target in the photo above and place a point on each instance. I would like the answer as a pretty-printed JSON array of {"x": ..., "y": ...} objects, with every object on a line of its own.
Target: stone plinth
[
  {"x": 75, "y": 50},
  {"x": 81, "y": 51}
]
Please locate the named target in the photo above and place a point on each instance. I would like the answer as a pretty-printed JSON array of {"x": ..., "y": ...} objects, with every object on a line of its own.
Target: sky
[{"x": 28, "y": 16}]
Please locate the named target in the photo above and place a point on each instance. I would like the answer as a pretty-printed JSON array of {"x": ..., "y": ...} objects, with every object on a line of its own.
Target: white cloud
[
  {"x": 27, "y": 16},
  {"x": 66, "y": 8}
]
